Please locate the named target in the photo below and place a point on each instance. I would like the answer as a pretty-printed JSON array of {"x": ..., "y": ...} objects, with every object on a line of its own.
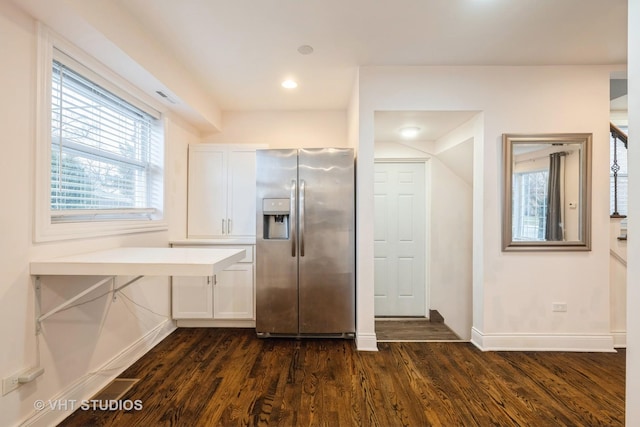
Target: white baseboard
[
  {"x": 542, "y": 342},
  {"x": 91, "y": 383},
  {"x": 210, "y": 323},
  {"x": 366, "y": 342},
  {"x": 619, "y": 339}
]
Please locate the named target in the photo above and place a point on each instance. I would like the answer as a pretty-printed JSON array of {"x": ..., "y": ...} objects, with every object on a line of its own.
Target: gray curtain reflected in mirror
[
  {"x": 553, "y": 228},
  {"x": 548, "y": 182}
]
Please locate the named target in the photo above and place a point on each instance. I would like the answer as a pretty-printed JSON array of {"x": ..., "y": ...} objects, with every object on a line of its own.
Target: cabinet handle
[
  {"x": 229, "y": 226},
  {"x": 223, "y": 226}
]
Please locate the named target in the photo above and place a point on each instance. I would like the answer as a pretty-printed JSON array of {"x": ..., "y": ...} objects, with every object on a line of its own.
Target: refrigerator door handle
[
  {"x": 302, "y": 189},
  {"x": 292, "y": 223}
]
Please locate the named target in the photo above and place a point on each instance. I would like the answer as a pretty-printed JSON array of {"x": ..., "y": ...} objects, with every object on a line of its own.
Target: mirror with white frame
[{"x": 547, "y": 192}]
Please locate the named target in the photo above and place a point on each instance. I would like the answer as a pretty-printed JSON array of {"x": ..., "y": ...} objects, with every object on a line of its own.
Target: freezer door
[
  {"x": 276, "y": 247},
  {"x": 326, "y": 240}
]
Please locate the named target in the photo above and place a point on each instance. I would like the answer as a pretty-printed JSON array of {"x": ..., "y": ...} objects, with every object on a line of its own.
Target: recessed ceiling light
[
  {"x": 289, "y": 84},
  {"x": 409, "y": 132}
]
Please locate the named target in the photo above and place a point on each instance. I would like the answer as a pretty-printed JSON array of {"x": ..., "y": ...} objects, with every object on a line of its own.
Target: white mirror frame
[{"x": 584, "y": 242}]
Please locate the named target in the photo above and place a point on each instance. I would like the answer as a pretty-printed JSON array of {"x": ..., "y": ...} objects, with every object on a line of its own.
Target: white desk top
[
  {"x": 141, "y": 262},
  {"x": 197, "y": 242}
]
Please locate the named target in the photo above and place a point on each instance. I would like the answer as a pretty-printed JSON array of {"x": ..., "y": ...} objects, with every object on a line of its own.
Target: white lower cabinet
[
  {"x": 227, "y": 296},
  {"x": 233, "y": 293},
  {"x": 191, "y": 297}
]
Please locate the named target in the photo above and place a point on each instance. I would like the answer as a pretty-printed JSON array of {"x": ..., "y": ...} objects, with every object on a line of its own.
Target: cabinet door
[
  {"x": 207, "y": 193},
  {"x": 233, "y": 293},
  {"x": 241, "y": 207},
  {"x": 191, "y": 297}
]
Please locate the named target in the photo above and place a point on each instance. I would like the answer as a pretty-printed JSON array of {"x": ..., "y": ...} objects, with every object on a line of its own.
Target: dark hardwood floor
[
  {"x": 413, "y": 329},
  {"x": 227, "y": 377}
]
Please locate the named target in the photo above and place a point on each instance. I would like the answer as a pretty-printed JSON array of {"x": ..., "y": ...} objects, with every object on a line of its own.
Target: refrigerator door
[
  {"x": 326, "y": 240},
  {"x": 276, "y": 254}
]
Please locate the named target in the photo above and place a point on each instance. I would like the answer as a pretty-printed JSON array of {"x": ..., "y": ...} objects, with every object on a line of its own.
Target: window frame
[{"x": 44, "y": 228}]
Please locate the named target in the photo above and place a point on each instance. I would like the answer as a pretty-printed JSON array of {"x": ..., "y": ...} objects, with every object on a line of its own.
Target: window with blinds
[{"x": 102, "y": 149}]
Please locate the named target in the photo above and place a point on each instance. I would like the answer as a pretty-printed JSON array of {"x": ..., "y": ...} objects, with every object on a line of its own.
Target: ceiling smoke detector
[{"x": 305, "y": 49}]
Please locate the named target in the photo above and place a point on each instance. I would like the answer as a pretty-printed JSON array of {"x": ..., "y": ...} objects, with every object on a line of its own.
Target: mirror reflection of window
[
  {"x": 545, "y": 192},
  {"x": 530, "y": 205}
]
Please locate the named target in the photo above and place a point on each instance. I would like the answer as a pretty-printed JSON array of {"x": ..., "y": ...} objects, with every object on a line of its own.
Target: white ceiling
[
  {"x": 432, "y": 124},
  {"x": 240, "y": 50}
]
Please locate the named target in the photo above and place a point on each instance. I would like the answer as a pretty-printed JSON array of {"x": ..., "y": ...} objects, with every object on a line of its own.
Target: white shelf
[{"x": 140, "y": 262}]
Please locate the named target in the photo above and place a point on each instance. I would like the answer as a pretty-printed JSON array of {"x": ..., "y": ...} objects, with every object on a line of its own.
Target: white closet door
[{"x": 399, "y": 236}]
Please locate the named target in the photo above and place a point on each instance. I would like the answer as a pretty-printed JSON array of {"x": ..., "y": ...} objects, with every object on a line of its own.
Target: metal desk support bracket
[
  {"x": 124, "y": 286},
  {"x": 38, "y": 288}
]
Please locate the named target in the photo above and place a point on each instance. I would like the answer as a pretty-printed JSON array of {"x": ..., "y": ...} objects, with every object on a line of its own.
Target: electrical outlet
[
  {"x": 559, "y": 307},
  {"x": 10, "y": 383}
]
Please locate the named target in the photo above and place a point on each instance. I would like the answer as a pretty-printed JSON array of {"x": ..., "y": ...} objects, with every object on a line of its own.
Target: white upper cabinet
[
  {"x": 207, "y": 194},
  {"x": 222, "y": 191},
  {"x": 241, "y": 195}
]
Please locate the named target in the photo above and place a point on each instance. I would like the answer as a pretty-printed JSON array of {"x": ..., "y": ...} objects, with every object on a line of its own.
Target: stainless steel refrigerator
[{"x": 305, "y": 240}]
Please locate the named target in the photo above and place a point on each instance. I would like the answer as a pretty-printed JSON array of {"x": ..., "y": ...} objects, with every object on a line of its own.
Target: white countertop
[
  {"x": 141, "y": 261},
  {"x": 194, "y": 242}
]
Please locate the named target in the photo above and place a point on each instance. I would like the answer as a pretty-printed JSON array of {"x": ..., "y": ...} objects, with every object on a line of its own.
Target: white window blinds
[{"x": 102, "y": 150}]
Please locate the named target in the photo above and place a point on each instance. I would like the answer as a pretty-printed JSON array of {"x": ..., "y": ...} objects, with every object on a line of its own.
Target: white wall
[
  {"x": 513, "y": 292},
  {"x": 618, "y": 280},
  {"x": 79, "y": 341},
  {"x": 452, "y": 226},
  {"x": 283, "y": 129},
  {"x": 450, "y": 250},
  {"x": 633, "y": 272},
  {"x": 365, "y": 323},
  {"x": 179, "y": 135},
  {"x": 396, "y": 150},
  {"x": 571, "y": 196}
]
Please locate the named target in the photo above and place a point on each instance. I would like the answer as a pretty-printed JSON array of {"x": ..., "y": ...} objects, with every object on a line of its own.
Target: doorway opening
[{"x": 423, "y": 193}]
